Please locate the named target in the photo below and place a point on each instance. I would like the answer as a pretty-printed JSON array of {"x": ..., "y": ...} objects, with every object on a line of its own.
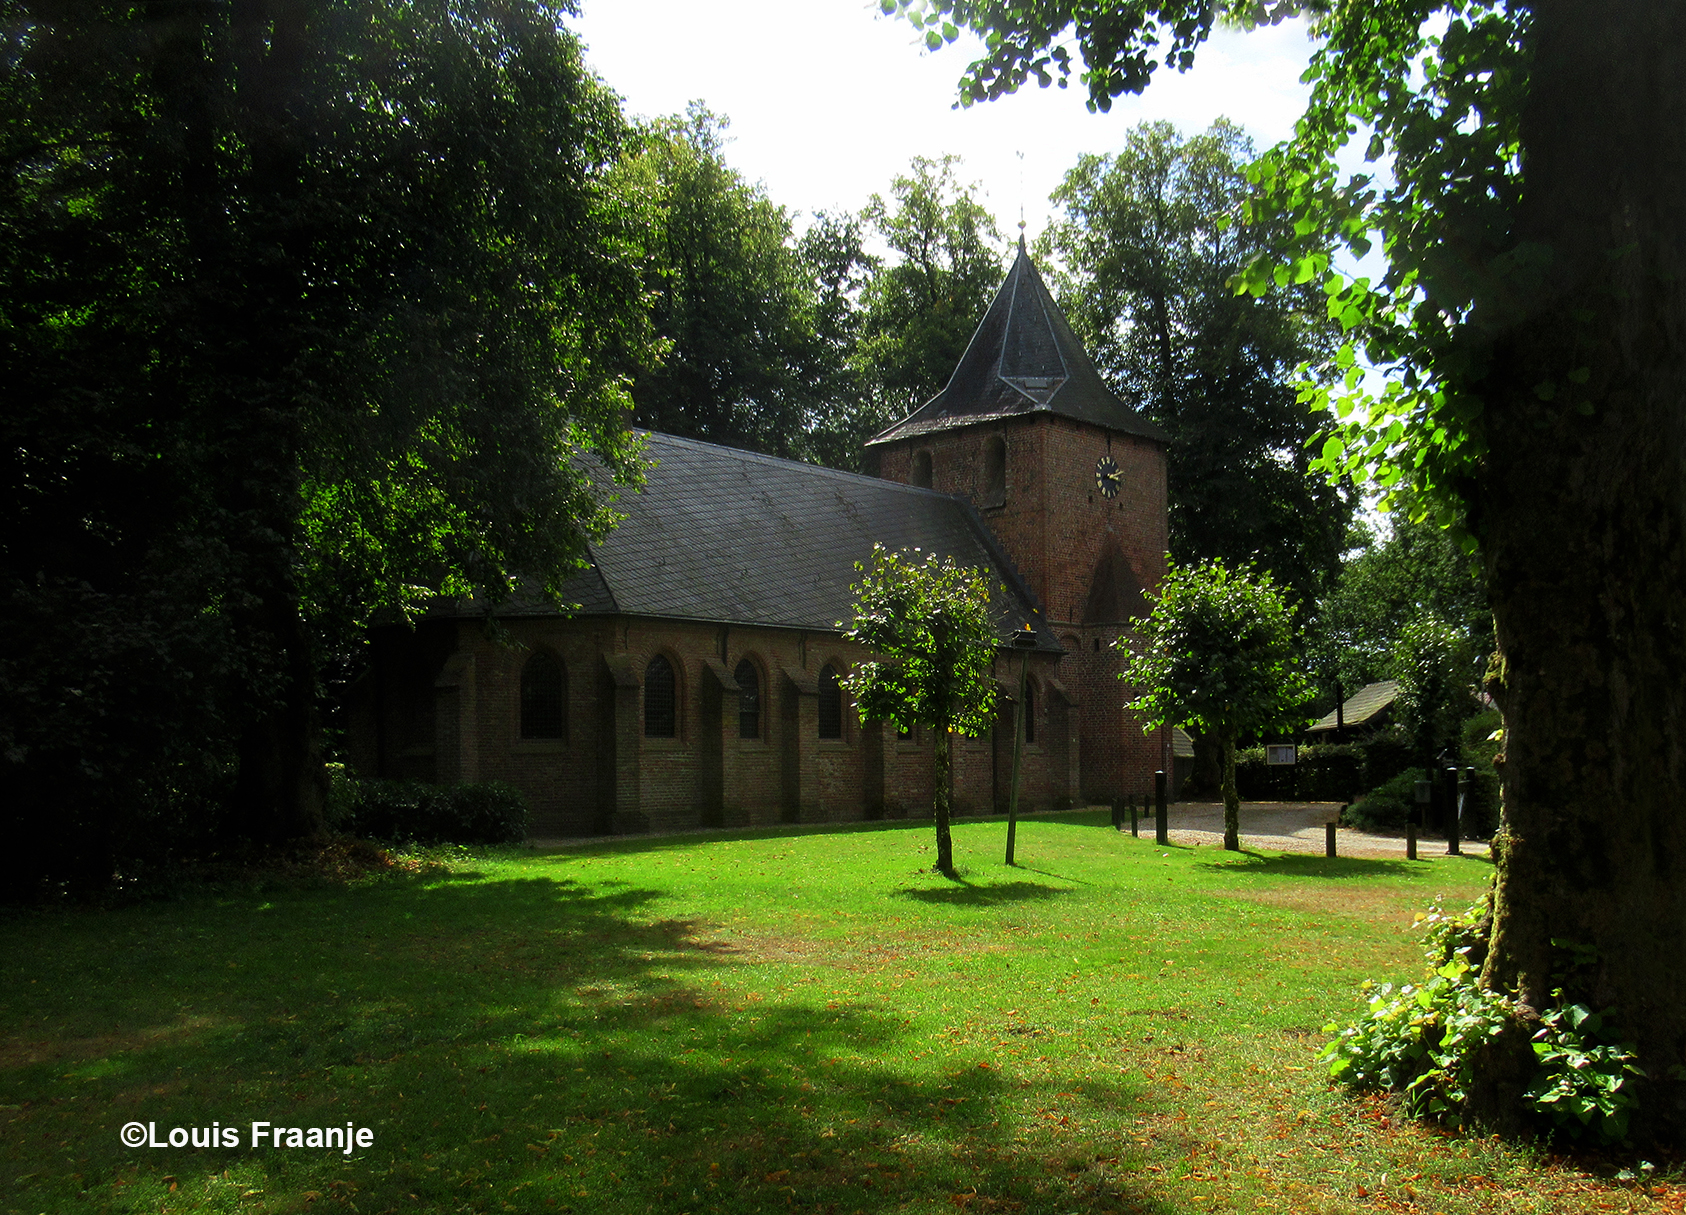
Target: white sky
[{"x": 828, "y": 101}]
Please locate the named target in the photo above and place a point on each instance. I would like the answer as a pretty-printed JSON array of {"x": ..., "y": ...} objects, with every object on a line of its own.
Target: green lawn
[{"x": 769, "y": 1020}]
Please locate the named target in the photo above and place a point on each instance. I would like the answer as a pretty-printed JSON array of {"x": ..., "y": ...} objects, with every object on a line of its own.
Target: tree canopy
[
  {"x": 1417, "y": 572},
  {"x": 929, "y": 620},
  {"x": 1527, "y": 330},
  {"x": 919, "y": 309},
  {"x": 733, "y": 300},
  {"x": 1218, "y": 654},
  {"x": 1150, "y": 239},
  {"x": 309, "y": 306}
]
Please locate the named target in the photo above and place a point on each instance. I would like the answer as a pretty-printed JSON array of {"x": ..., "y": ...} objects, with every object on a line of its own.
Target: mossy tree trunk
[{"x": 1582, "y": 512}]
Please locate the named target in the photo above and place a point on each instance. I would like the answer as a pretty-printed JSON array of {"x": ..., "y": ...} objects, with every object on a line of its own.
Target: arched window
[
  {"x": 1029, "y": 712},
  {"x": 661, "y": 701},
  {"x": 831, "y": 703},
  {"x": 544, "y": 697},
  {"x": 749, "y": 699},
  {"x": 922, "y": 469},
  {"x": 995, "y": 471}
]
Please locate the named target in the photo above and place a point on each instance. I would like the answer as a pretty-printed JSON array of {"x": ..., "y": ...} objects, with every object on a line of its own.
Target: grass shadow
[
  {"x": 1308, "y": 865},
  {"x": 525, "y": 1044},
  {"x": 1050, "y": 873},
  {"x": 962, "y": 893}
]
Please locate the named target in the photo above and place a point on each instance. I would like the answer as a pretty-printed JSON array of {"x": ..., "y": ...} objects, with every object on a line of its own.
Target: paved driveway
[{"x": 1289, "y": 827}]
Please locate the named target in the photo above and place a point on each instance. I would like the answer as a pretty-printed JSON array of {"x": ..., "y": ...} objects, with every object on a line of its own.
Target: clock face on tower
[{"x": 1106, "y": 476}]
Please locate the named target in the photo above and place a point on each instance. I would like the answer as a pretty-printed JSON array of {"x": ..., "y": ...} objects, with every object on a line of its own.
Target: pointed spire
[{"x": 1023, "y": 359}]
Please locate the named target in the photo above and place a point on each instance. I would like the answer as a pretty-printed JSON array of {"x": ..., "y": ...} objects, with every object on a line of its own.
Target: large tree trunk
[
  {"x": 940, "y": 800},
  {"x": 1232, "y": 797},
  {"x": 282, "y": 784},
  {"x": 1583, "y": 521}
]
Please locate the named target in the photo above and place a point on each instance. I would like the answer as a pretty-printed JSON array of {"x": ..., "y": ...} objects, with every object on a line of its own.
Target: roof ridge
[{"x": 762, "y": 457}]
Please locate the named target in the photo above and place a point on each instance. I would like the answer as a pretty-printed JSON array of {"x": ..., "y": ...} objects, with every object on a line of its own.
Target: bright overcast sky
[{"x": 828, "y": 100}]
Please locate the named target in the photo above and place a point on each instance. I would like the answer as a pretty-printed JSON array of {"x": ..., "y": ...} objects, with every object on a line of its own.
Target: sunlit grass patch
[{"x": 768, "y": 1021}]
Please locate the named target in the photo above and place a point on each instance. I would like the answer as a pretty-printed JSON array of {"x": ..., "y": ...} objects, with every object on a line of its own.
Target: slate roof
[
  {"x": 1023, "y": 359},
  {"x": 732, "y": 536},
  {"x": 1362, "y": 708}
]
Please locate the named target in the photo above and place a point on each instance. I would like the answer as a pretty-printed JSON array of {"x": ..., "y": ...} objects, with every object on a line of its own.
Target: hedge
[
  {"x": 413, "y": 811},
  {"x": 1326, "y": 772}
]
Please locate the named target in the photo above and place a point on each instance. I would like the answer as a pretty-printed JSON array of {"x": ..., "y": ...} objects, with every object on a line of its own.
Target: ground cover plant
[{"x": 778, "y": 1020}]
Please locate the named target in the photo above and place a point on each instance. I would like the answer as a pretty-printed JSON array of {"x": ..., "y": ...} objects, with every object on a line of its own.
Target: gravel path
[{"x": 1290, "y": 827}]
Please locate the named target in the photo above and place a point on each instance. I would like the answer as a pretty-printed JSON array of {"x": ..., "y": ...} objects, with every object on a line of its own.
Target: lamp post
[{"x": 1024, "y": 641}]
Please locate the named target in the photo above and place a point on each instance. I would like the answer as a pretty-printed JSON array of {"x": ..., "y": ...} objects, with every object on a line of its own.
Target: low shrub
[
  {"x": 342, "y": 797},
  {"x": 413, "y": 811},
  {"x": 1387, "y": 807},
  {"x": 1422, "y": 1040}
]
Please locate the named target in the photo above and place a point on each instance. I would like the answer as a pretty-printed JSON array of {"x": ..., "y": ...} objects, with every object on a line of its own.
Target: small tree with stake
[
  {"x": 928, "y": 619},
  {"x": 1218, "y": 656}
]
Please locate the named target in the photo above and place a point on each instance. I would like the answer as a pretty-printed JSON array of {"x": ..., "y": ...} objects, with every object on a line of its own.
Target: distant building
[
  {"x": 698, "y": 681},
  {"x": 1370, "y": 709}
]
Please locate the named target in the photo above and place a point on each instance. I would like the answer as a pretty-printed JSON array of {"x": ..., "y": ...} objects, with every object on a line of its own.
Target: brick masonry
[
  {"x": 1088, "y": 559},
  {"x": 443, "y": 704}
]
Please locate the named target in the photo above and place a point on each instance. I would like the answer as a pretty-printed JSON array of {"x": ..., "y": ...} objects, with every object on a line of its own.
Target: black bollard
[
  {"x": 1135, "y": 829},
  {"x": 1160, "y": 825},
  {"x": 1410, "y": 839},
  {"x": 1454, "y": 808},
  {"x": 1328, "y": 839},
  {"x": 1117, "y": 815}
]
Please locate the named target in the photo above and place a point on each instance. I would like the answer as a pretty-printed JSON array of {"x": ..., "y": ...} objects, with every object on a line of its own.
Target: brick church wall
[
  {"x": 1057, "y": 528},
  {"x": 443, "y": 703}
]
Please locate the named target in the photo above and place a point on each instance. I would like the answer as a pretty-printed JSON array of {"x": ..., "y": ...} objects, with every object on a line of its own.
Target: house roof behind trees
[
  {"x": 1023, "y": 359},
  {"x": 719, "y": 534},
  {"x": 1363, "y": 709}
]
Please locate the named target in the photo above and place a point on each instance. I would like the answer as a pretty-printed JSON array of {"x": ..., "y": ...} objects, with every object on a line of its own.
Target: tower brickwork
[{"x": 1073, "y": 484}]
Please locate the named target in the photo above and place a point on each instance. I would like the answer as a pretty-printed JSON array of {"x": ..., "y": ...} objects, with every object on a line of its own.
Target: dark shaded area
[
  {"x": 1303, "y": 865},
  {"x": 525, "y": 1041},
  {"x": 965, "y": 894}
]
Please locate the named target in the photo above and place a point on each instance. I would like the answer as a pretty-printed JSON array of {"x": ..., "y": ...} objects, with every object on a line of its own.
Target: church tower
[{"x": 1072, "y": 482}]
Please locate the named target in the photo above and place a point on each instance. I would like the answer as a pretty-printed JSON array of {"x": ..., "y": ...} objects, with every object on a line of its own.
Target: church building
[{"x": 699, "y": 680}]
